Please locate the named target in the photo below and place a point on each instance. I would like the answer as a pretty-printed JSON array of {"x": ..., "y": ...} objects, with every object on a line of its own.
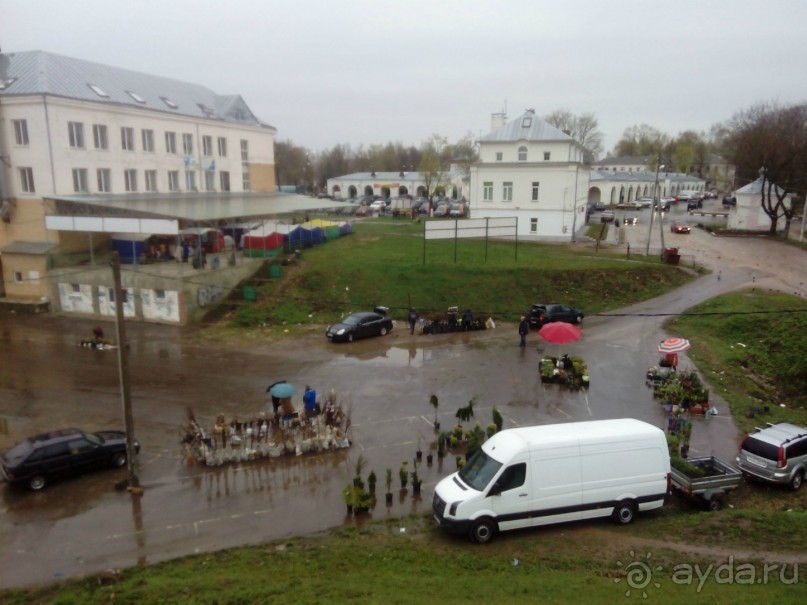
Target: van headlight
[{"x": 453, "y": 509}]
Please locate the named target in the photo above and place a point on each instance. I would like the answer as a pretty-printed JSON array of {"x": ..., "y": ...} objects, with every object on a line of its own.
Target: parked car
[
  {"x": 679, "y": 227},
  {"x": 729, "y": 201},
  {"x": 635, "y": 205},
  {"x": 645, "y": 202},
  {"x": 359, "y": 325},
  {"x": 666, "y": 203},
  {"x": 36, "y": 461},
  {"x": 442, "y": 209},
  {"x": 607, "y": 216},
  {"x": 599, "y": 206},
  {"x": 458, "y": 209},
  {"x": 540, "y": 314},
  {"x": 776, "y": 454},
  {"x": 694, "y": 204}
]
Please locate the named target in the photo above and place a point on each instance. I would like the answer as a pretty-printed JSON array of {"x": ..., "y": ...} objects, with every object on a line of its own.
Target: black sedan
[
  {"x": 540, "y": 314},
  {"x": 68, "y": 452},
  {"x": 359, "y": 325}
]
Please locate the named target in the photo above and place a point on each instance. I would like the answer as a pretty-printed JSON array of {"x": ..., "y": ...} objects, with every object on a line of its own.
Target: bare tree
[
  {"x": 769, "y": 142},
  {"x": 583, "y": 128},
  {"x": 643, "y": 140}
]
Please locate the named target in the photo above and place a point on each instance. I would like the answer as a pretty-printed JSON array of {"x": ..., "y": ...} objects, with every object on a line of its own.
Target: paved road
[{"x": 84, "y": 526}]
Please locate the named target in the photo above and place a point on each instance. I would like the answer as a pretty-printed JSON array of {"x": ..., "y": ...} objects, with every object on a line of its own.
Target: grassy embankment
[
  {"x": 382, "y": 264},
  {"x": 591, "y": 562}
]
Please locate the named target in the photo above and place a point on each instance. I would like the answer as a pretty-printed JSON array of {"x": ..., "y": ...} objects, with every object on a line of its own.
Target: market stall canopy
[
  {"x": 558, "y": 332},
  {"x": 674, "y": 345}
]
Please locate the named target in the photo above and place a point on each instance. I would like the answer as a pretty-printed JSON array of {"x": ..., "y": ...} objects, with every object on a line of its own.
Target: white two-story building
[{"x": 531, "y": 170}]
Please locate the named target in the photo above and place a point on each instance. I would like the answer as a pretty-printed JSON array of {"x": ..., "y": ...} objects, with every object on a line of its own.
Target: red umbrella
[
  {"x": 558, "y": 332},
  {"x": 673, "y": 345}
]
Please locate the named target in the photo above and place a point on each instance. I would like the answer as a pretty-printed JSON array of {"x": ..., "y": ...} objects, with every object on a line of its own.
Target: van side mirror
[{"x": 495, "y": 490}]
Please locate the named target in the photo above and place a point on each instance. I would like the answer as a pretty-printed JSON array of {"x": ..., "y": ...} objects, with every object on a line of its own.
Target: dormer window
[
  {"x": 98, "y": 90},
  {"x": 4, "y": 84},
  {"x": 526, "y": 122},
  {"x": 136, "y": 97},
  {"x": 169, "y": 102}
]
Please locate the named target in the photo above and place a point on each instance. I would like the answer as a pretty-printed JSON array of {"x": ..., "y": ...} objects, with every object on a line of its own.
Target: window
[
  {"x": 190, "y": 180},
  {"x": 507, "y": 191},
  {"x": 4, "y": 84},
  {"x": 130, "y": 180},
  {"x": 487, "y": 191},
  {"x": 98, "y": 90},
  {"x": 27, "y": 180},
  {"x": 136, "y": 97},
  {"x": 533, "y": 225},
  {"x": 224, "y": 180},
  {"x": 171, "y": 142},
  {"x": 17, "y": 277},
  {"x": 187, "y": 144},
  {"x": 80, "y": 180},
  {"x": 209, "y": 113},
  {"x": 207, "y": 145},
  {"x": 99, "y": 136},
  {"x": 151, "y": 180},
  {"x": 535, "y": 187},
  {"x": 244, "y": 150},
  {"x": 499, "y": 156},
  {"x": 210, "y": 180},
  {"x": 148, "y": 140},
  {"x": 75, "y": 132},
  {"x": 127, "y": 138},
  {"x": 173, "y": 180},
  {"x": 169, "y": 102},
  {"x": 20, "y": 132},
  {"x": 222, "y": 147},
  {"x": 104, "y": 180},
  {"x": 522, "y": 153},
  {"x": 245, "y": 178},
  {"x": 546, "y": 156},
  {"x": 512, "y": 477},
  {"x": 526, "y": 122}
]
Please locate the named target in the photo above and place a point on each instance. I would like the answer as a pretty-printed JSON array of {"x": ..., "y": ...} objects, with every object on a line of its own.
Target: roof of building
[
  {"x": 625, "y": 160},
  {"x": 756, "y": 187},
  {"x": 22, "y": 247},
  {"x": 526, "y": 127},
  {"x": 43, "y": 73},
  {"x": 381, "y": 176},
  {"x": 641, "y": 175},
  {"x": 198, "y": 207}
]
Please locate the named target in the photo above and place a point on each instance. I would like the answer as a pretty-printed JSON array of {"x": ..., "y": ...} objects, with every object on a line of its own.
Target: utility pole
[{"x": 123, "y": 372}]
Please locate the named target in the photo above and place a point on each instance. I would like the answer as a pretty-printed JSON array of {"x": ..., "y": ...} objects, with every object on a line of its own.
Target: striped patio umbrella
[{"x": 673, "y": 345}]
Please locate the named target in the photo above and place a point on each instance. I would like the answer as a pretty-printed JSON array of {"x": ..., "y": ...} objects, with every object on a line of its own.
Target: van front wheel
[
  {"x": 483, "y": 530},
  {"x": 624, "y": 512}
]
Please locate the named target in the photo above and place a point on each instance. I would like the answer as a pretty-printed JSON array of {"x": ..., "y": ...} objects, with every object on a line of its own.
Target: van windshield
[{"x": 479, "y": 470}]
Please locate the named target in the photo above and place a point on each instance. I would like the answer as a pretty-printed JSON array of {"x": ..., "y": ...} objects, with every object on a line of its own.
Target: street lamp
[{"x": 656, "y": 205}]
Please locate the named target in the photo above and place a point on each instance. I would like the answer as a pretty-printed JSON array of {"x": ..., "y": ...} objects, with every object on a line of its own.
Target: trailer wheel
[
  {"x": 483, "y": 530},
  {"x": 624, "y": 512},
  {"x": 715, "y": 503}
]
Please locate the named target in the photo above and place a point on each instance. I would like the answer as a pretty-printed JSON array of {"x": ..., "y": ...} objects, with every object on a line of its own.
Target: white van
[{"x": 555, "y": 473}]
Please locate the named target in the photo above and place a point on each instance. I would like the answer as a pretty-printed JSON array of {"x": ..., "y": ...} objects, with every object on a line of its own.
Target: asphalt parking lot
[{"x": 84, "y": 526}]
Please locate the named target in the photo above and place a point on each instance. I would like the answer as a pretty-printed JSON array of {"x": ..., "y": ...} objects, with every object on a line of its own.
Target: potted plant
[
  {"x": 403, "y": 474},
  {"x": 442, "y": 441},
  {"x": 476, "y": 438},
  {"x": 371, "y": 481},
  {"x": 416, "y": 482},
  {"x": 466, "y": 413},
  {"x": 388, "y": 484},
  {"x": 419, "y": 452},
  {"x": 498, "y": 420},
  {"x": 686, "y": 433},
  {"x": 349, "y": 497},
  {"x": 491, "y": 430},
  {"x": 434, "y": 403},
  {"x": 361, "y": 463}
]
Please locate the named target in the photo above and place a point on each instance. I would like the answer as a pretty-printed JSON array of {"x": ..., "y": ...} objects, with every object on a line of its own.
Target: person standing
[
  {"x": 413, "y": 319},
  {"x": 523, "y": 330},
  {"x": 310, "y": 402}
]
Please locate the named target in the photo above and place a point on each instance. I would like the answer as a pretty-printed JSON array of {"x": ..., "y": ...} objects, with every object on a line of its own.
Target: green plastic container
[
  {"x": 249, "y": 293},
  {"x": 275, "y": 271}
]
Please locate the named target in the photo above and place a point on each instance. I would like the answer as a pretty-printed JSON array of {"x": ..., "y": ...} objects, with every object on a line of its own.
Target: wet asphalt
[{"x": 85, "y": 526}]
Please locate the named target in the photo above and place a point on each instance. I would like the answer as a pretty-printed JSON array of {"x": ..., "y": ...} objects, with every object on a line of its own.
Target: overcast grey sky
[{"x": 325, "y": 72}]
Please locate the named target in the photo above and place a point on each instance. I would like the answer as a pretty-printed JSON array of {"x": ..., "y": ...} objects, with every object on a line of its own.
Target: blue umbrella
[{"x": 282, "y": 390}]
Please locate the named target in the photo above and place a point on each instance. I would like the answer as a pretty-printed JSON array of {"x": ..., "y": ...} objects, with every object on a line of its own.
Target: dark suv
[
  {"x": 776, "y": 453},
  {"x": 540, "y": 314},
  {"x": 36, "y": 460}
]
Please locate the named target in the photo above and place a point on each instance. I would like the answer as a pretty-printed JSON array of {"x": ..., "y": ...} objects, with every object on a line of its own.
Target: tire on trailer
[{"x": 715, "y": 503}]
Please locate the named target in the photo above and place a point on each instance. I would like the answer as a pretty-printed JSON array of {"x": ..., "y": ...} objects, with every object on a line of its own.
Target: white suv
[{"x": 776, "y": 453}]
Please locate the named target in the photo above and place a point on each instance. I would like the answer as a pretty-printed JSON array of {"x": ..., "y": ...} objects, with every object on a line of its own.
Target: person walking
[{"x": 523, "y": 330}]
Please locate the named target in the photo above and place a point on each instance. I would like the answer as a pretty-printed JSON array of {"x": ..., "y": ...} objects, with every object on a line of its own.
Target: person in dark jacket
[
  {"x": 523, "y": 330},
  {"x": 413, "y": 319}
]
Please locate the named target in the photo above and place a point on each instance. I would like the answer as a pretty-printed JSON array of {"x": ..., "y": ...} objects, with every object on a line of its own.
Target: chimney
[{"x": 497, "y": 120}]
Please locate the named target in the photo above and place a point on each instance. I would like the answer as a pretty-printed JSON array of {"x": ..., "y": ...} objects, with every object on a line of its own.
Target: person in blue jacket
[{"x": 310, "y": 402}]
